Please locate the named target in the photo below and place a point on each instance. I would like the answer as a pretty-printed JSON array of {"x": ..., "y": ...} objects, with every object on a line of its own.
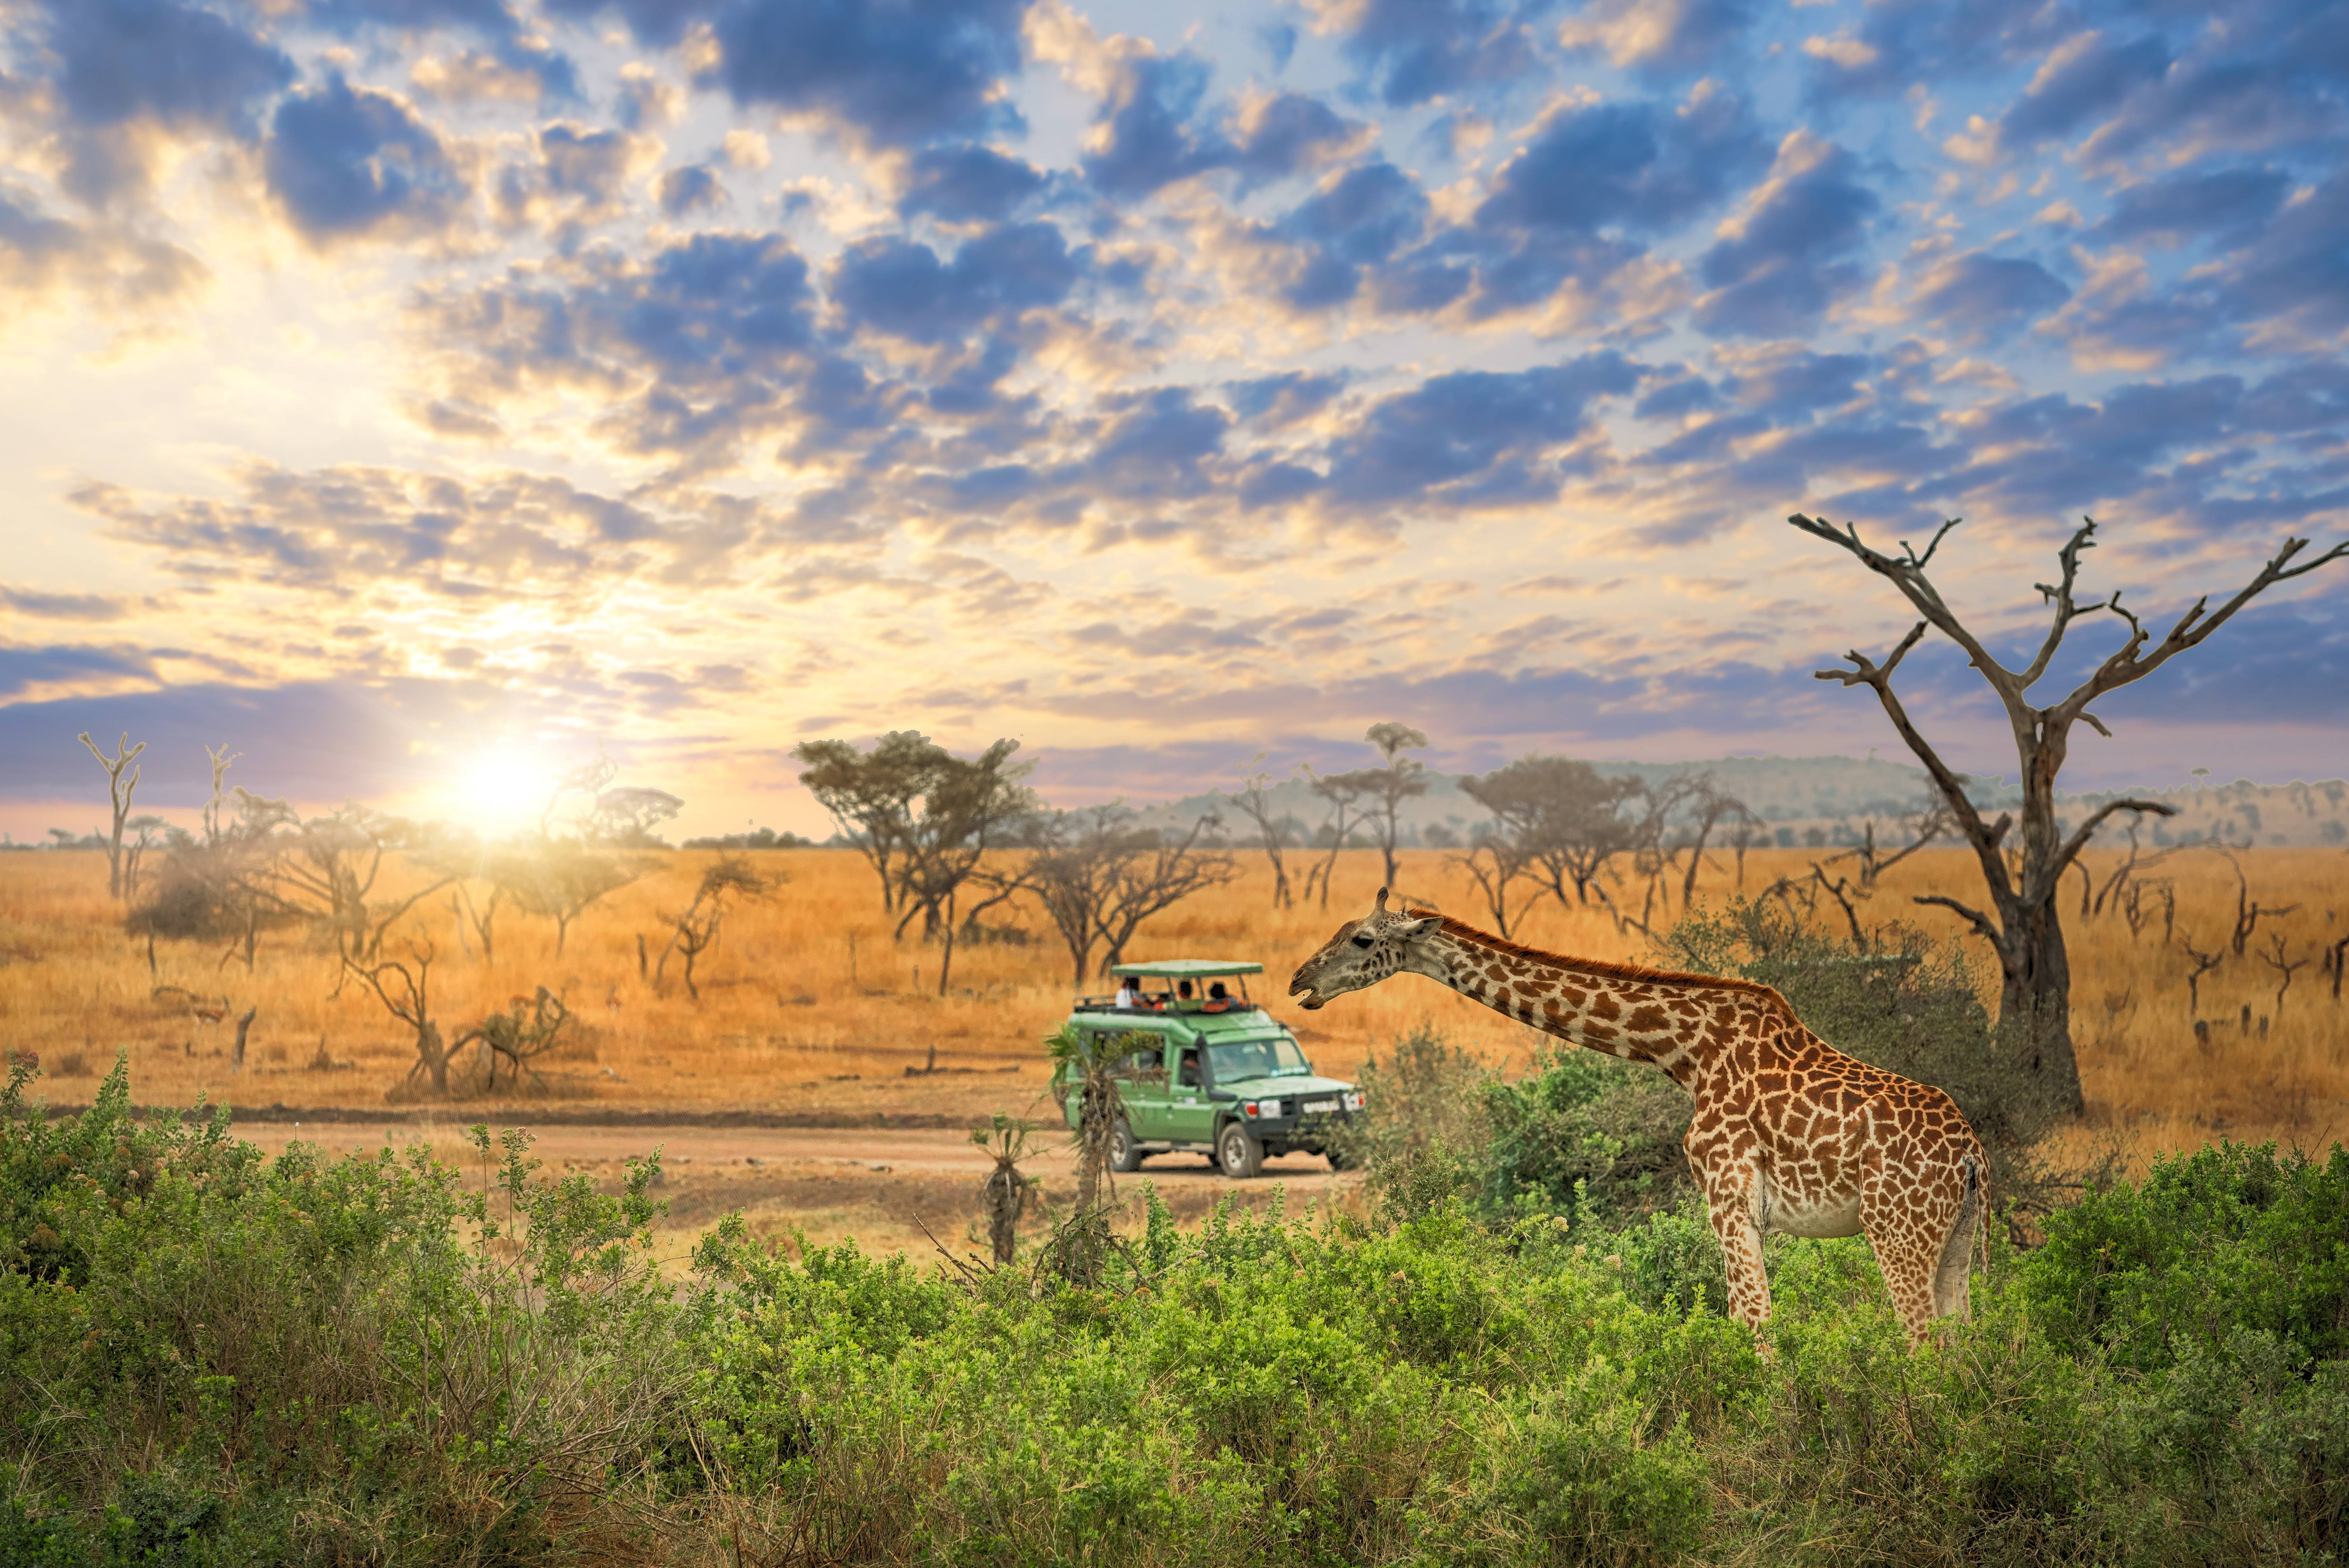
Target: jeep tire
[
  {"x": 1124, "y": 1154},
  {"x": 1238, "y": 1155}
]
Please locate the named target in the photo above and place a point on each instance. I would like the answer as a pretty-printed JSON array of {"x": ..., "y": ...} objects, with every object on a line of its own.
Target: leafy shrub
[
  {"x": 2230, "y": 1239},
  {"x": 232, "y": 1359},
  {"x": 1583, "y": 1135},
  {"x": 1910, "y": 1005}
]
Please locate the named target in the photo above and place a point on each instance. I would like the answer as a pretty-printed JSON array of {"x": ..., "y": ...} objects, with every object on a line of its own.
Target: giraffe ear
[{"x": 1412, "y": 929}]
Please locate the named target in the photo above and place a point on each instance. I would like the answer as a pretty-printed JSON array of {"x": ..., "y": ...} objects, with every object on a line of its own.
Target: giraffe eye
[{"x": 1362, "y": 942}]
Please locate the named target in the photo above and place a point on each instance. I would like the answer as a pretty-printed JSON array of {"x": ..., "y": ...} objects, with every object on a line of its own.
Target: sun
[{"x": 499, "y": 791}]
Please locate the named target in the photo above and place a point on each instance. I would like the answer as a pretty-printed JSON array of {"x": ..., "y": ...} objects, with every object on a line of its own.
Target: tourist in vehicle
[
  {"x": 1188, "y": 1074},
  {"x": 1219, "y": 999},
  {"x": 1182, "y": 996},
  {"x": 1129, "y": 993}
]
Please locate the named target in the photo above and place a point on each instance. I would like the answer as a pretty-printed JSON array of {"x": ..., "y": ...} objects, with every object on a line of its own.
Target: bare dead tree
[
  {"x": 1345, "y": 793},
  {"x": 1926, "y": 826},
  {"x": 1713, "y": 806},
  {"x": 1007, "y": 1194},
  {"x": 244, "y": 1030},
  {"x": 406, "y": 994},
  {"x": 1085, "y": 1240},
  {"x": 695, "y": 932},
  {"x": 122, "y": 779},
  {"x": 1253, "y": 799},
  {"x": 1158, "y": 878},
  {"x": 2277, "y": 958},
  {"x": 2203, "y": 962},
  {"x": 560, "y": 878},
  {"x": 2336, "y": 959},
  {"x": 325, "y": 870},
  {"x": 478, "y": 919},
  {"x": 1403, "y": 778},
  {"x": 2022, "y": 926},
  {"x": 2248, "y": 910},
  {"x": 529, "y": 1028},
  {"x": 1493, "y": 862}
]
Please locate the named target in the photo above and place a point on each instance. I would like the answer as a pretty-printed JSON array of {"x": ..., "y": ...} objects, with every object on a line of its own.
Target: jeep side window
[{"x": 1190, "y": 1079}]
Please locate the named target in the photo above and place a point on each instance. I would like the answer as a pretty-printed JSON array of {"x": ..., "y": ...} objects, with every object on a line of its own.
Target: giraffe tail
[{"x": 1951, "y": 1295}]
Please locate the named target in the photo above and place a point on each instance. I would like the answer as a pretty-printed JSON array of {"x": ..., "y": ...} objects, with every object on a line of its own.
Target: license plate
[{"x": 1313, "y": 1104}]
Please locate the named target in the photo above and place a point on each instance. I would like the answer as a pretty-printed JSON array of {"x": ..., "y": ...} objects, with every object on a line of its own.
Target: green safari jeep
[{"x": 1225, "y": 1080}]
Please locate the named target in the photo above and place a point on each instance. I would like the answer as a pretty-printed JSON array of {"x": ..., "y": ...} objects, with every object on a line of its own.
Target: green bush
[
  {"x": 2229, "y": 1239},
  {"x": 1907, "y": 1003},
  {"x": 230, "y": 1360}
]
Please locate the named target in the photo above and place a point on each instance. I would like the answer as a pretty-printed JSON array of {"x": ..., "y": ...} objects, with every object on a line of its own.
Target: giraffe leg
[
  {"x": 1910, "y": 1222},
  {"x": 1732, "y": 1200}
]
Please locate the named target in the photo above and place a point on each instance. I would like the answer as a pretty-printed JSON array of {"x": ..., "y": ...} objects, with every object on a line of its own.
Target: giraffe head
[{"x": 1363, "y": 952}]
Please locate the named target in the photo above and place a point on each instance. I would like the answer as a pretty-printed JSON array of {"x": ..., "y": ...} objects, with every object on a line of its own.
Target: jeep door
[
  {"x": 1142, "y": 1089},
  {"x": 1190, "y": 1114}
]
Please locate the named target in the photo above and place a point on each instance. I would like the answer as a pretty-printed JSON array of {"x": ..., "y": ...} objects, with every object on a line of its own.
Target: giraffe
[{"x": 1789, "y": 1134}]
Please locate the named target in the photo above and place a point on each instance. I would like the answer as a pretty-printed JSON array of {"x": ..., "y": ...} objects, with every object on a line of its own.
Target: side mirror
[{"x": 1222, "y": 1096}]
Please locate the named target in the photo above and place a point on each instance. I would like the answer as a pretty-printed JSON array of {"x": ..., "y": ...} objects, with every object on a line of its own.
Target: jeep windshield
[{"x": 1244, "y": 1059}]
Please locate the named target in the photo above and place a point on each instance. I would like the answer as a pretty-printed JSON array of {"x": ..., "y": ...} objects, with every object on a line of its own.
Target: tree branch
[
  {"x": 1909, "y": 576},
  {"x": 1878, "y": 678},
  {"x": 2087, "y": 830},
  {"x": 1975, "y": 917}
]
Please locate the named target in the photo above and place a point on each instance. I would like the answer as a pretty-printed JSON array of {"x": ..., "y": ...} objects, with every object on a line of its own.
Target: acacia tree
[
  {"x": 122, "y": 779},
  {"x": 1254, "y": 798},
  {"x": 1345, "y": 793},
  {"x": 1388, "y": 788},
  {"x": 2023, "y": 926},
  {"x": 1565, "y": 817},
  {"x": 1099, "y": 876},
  {"x": 969, "y": 807},
  {"x": 871, "y": 795},
  {"x": 695, "y": 932}
]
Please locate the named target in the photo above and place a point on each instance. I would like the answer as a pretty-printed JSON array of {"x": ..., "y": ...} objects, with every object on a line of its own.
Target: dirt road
[{"x": 881, "y": 1186}]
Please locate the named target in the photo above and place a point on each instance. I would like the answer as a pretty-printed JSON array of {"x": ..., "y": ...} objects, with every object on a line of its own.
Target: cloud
[
  {"x": 690, "y": 188},
  {"x": 1658, "y": 37},
  {"x": 1146, "y": 136},
  {"x": 24, "y": 668},
  {"x": 2220, "y": 205},
  {"x": 345, "y": 161},
  {"x": 49, "y": 606},
  {"x": 1639, "y": 166},
  {"x": 968, "y": 183},
  {"x": 691, "y": 348},
  {"x": 1783, "y": 261},
  {"x": 2086, "y": 75},
  {"x": 343, "y": 532},
  {"x": 889, "y": 72},
  {"x": 1472, "y": 439},
  {"x": 1984, "y": 296},
  {"x": 1411, "y": 51},
  {"x": 121, "y": 67},
  {"x": 902, "y": 288},
  {"x": 107, "y": 261}
]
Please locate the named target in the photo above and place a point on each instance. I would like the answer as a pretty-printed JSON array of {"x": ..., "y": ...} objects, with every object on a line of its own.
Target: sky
[{"x": 415, "y": 395}]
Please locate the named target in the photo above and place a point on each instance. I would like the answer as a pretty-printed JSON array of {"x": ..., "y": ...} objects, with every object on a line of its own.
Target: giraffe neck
[{"x": 1667, "y": 1022}]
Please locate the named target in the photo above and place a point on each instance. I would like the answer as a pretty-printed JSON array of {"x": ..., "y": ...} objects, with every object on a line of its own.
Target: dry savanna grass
[{"x": 807, "y": 1004}]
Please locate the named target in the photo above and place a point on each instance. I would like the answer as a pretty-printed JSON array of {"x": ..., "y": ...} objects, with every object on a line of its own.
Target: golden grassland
[{"x": 809, "y": 1005}]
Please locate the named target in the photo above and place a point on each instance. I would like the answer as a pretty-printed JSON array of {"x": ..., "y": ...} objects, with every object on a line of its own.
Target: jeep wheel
[
  {"x": 1125, "y": 1155},
  {"x": 1338, "y": 1157},
  {"x": 1241, "y": 1155}
]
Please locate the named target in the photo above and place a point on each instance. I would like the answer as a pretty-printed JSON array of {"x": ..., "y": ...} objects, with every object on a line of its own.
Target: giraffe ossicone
[{"x": 1788, "y": 1134}]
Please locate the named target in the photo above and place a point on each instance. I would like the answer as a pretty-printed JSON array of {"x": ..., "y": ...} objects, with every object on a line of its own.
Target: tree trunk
[{"x": 435, "y": 1059}]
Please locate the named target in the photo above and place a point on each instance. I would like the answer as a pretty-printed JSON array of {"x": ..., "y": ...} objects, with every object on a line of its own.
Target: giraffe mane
[{"x": 1608, "y": 967}]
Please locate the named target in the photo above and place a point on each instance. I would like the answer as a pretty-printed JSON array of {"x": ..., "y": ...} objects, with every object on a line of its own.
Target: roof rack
[{"x": 1186, "y": 968}]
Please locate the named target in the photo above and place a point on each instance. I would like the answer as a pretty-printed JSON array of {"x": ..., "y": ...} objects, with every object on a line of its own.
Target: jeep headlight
[{"x": 1353, "y": 1099}]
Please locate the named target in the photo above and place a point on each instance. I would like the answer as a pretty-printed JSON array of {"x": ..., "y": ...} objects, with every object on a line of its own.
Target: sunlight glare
[{"x": 502, "y": 791}]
